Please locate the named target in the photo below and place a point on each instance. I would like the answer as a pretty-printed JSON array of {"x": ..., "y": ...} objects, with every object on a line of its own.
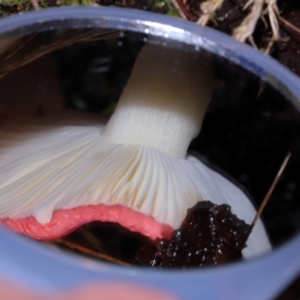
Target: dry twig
[
  {"x": 88, "y": 251},
  {"x": 35, "y": 4},
  {"x": 247, "y": 27},
  {"x": 273, "y": 13},
  {"x": 209, "y": 8},
  {"x": 271, "y": 189},
  {"x": 289, "y": 25},
  {"x": 179, "y": 9}
]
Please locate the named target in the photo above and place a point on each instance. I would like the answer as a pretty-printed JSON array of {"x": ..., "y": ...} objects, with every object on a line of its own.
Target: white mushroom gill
[
  {"x": 139, "y": 160},
  {"x": 164, "y": 102}
]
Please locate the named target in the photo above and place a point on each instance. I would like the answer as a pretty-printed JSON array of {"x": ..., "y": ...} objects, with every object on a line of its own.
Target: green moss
[{"x": 8, "y": 7}]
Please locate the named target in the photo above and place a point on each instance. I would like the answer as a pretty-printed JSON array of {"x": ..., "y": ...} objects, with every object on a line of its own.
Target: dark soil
[
  {"x": 228, "y": 17},
  {"x": 231, "y": 14},
  {"x": 210, "y": 235}
]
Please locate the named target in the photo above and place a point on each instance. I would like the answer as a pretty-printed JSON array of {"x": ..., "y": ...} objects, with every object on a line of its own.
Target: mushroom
[{"x": 57, "y": 173}]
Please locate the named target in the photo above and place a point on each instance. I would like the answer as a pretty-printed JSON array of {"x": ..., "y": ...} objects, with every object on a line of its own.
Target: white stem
[{"x": 164, "y": 102}]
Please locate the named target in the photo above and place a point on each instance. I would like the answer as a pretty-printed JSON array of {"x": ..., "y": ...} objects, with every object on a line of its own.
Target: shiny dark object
[{"x": 210, "y": 235}]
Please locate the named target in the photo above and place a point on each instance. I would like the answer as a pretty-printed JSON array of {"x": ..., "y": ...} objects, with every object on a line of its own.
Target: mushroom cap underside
[{"x": 50, "y": 169}]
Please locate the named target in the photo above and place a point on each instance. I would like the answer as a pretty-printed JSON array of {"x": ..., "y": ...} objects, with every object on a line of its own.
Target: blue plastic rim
[{"x": 43, "y": 269}]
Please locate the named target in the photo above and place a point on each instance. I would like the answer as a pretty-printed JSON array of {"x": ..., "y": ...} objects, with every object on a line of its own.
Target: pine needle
[
  {"x": 27, "y": 49},
  {"x": 271, "y": 189},
  {"x": 90, "y": 252}
]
